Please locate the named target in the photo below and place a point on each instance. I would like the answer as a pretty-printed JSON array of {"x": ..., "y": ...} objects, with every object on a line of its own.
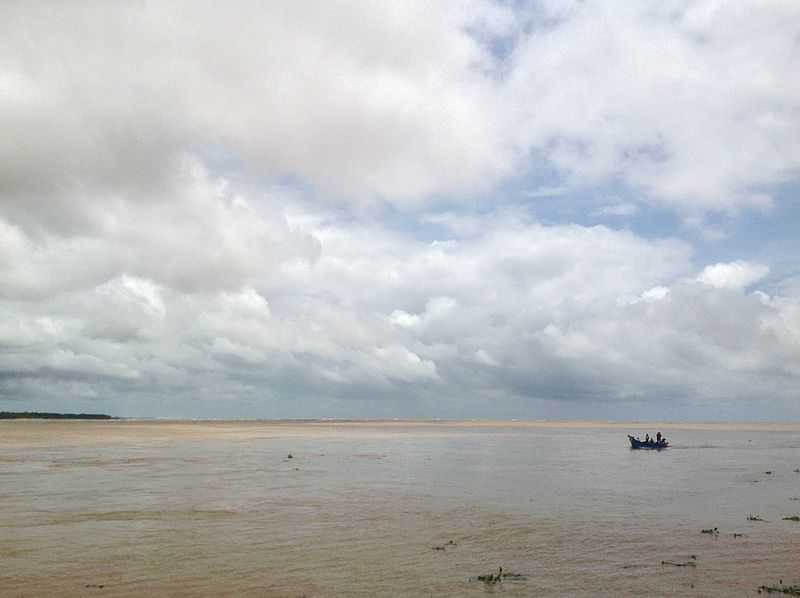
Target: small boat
[{"x": 653, "y": 445}]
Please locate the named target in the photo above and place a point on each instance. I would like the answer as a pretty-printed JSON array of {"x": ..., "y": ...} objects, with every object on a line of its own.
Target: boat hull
[{"x": 653, "y": 446}]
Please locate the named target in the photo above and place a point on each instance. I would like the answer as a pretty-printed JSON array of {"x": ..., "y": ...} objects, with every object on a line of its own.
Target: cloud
[
  {"x": 551, "y": 191},
  {"x": 692, "y": 103},
  {"x": 619, "y": 209},
  {"x": 202, "y": 237},
  {"x": 733, "y": 275},
  {"x": 695, "y": 103},
  {"x": 518, "y": 312},
  {"x": 360, "y": 100},
  {"x": 203, "y": 208},
  {"x": 706, "y": 230}
]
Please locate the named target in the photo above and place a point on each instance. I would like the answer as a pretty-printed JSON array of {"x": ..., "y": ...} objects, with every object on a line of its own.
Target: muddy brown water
[{"x": 134, "y": 508}]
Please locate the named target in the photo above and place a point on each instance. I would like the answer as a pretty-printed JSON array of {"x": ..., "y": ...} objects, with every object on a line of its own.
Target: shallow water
[{"x": 218, "y": 509}]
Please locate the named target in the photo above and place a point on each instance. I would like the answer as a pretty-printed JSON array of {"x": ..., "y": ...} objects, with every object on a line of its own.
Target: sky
[{"x": 466, "y": 209}]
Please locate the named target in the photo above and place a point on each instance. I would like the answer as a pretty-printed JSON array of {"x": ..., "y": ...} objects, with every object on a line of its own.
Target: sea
[{"x": 396, "y": 508}]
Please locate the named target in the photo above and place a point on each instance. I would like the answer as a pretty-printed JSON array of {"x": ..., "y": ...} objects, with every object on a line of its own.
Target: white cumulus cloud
[{"x": 732, "y": 275}]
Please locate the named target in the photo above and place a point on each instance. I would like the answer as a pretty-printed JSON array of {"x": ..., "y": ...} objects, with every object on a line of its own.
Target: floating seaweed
[
  {"x": 450, "y": 543},
  {"x": 679, "y": 564},
  {"x": 792, "y": 518},
  {"x": 751, "y": 517},
  {"x": 493, "y": 578},
  {"x": 780, "y": 589}
]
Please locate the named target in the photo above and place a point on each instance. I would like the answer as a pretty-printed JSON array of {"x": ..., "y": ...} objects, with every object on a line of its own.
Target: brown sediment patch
[
  {"x": 299, "y": 534},
  {"x": 12, "y": 552},
  {"x": 175, "y": 515},
  {"x": 23, "y": 433},
  {"x": 100, "y": 462},
  {"x": 379, "y": 550}
]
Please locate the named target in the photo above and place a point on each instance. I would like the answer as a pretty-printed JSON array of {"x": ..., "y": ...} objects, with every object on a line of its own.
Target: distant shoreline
[
  {"x": 399, "y": 424},
  {"x": 45, "y": 415}
]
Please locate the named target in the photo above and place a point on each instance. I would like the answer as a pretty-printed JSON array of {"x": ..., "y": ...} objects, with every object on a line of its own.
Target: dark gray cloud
[{"x": 581, "y": 314}]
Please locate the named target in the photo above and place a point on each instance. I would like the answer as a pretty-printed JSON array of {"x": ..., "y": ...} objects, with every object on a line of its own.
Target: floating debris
[
  {"x": 493, "y": 578},
  {"x": 449, "y": 543},
  {"x": 780, "y": 589},
  {"x": 95, "y": 585},
  {"x": 712, "y": 530},
  {"x": 792, "y": 518},
  {"x": 751, "y": 517},
  {"x": 290, "y": 456},
  {"x": 677, "y": 564},
  {"x": 768, "y": 472},
  {"x": 736, "y": 535}
]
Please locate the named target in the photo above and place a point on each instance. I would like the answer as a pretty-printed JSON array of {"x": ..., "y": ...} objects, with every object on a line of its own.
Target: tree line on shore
[{"x": 45, "y": 415}]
